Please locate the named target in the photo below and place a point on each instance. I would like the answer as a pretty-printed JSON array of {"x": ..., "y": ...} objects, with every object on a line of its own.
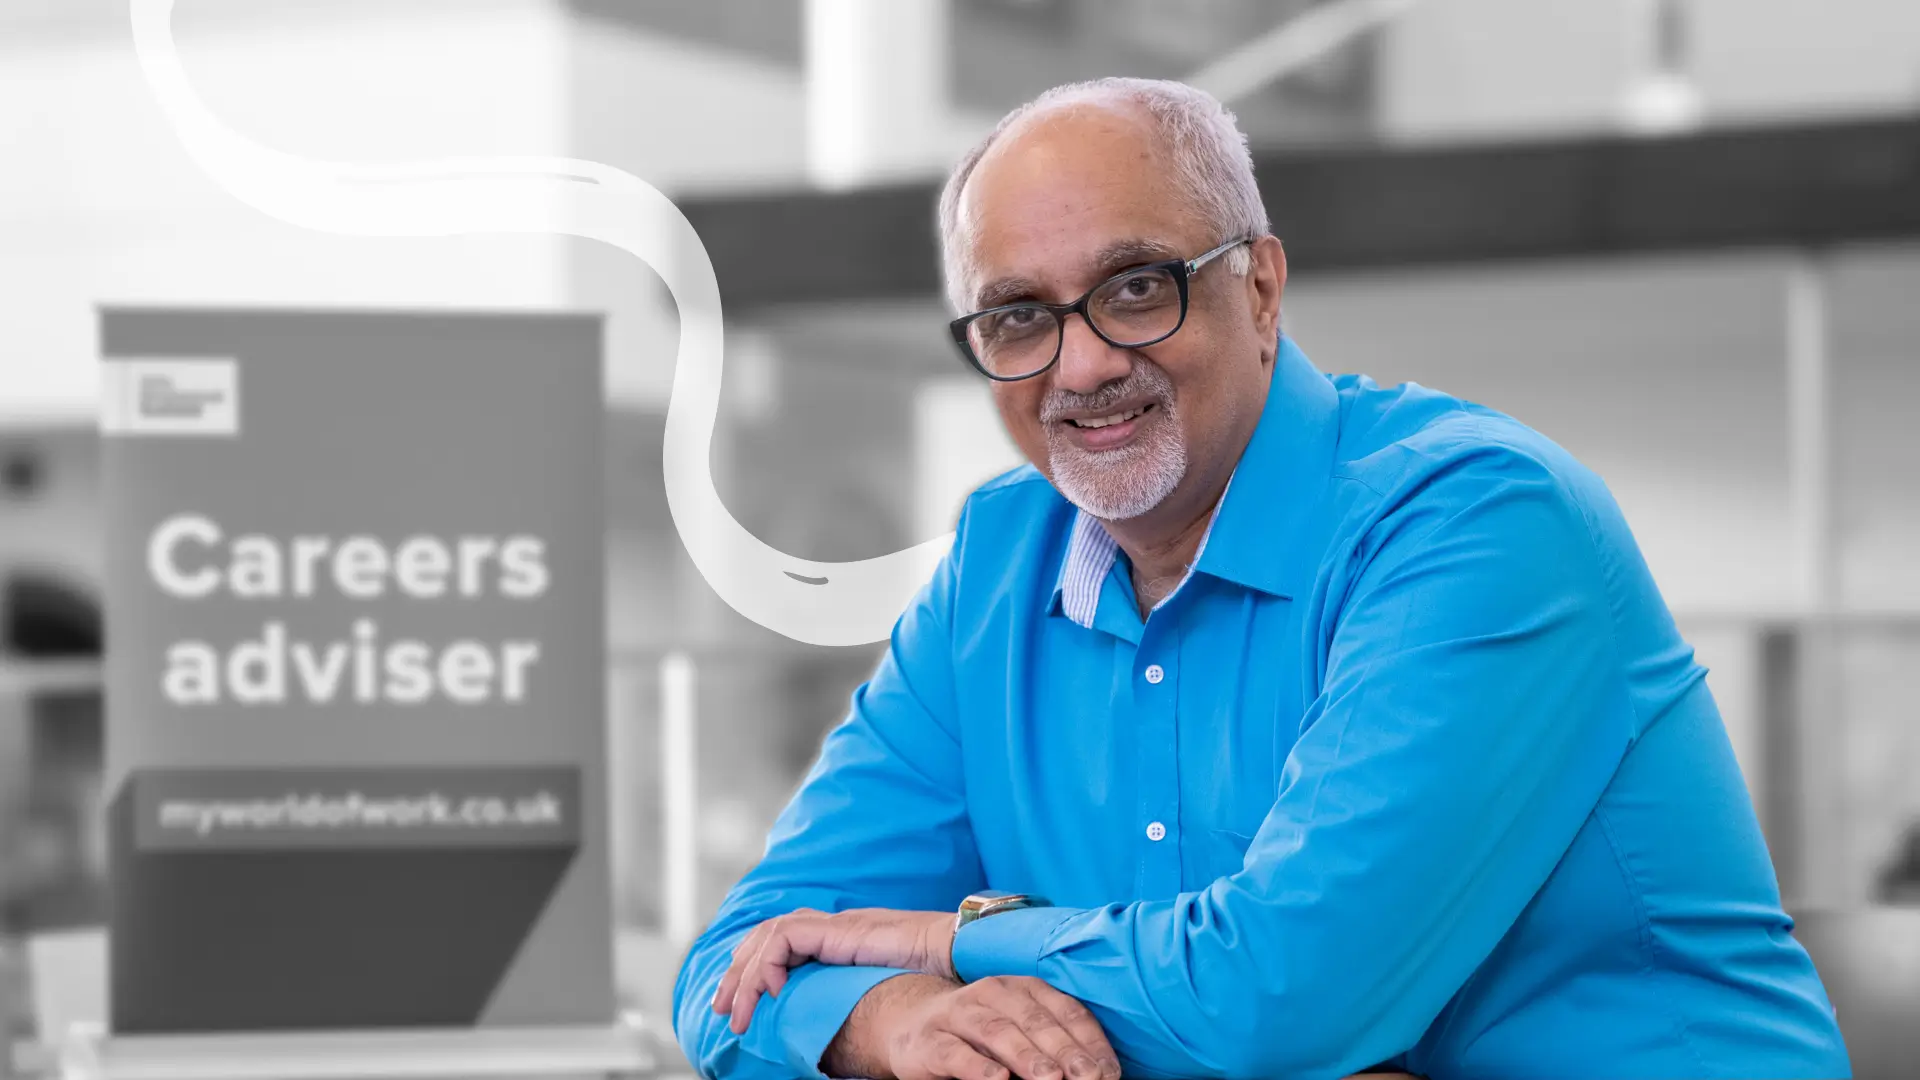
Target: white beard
[{"x": 1116, "y": 485}]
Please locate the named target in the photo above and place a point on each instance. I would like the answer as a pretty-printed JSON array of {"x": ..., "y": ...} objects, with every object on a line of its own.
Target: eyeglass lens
[{"x": 1133, "y": 309}]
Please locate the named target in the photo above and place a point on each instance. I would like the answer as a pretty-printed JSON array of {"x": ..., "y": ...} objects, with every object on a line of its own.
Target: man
[{"x": 1338, "y": 726}]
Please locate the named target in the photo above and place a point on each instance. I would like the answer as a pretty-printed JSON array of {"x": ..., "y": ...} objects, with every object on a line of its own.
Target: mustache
[{"x": 1143, "y": 381}]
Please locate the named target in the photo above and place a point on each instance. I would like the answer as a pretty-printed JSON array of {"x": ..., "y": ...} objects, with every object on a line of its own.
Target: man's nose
[{"x": 1087, "y": 362}]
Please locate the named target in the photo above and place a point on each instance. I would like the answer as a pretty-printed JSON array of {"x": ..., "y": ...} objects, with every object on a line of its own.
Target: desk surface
[{"x": 1869, "y": 960}]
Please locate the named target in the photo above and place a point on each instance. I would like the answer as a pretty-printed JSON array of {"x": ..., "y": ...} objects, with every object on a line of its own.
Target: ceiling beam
[{"x": 1343, "y": 209}]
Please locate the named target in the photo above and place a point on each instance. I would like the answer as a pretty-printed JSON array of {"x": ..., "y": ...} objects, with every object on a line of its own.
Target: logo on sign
[
  {"x": 161, "y": 399},
  {"x": 171, "y": 397}
]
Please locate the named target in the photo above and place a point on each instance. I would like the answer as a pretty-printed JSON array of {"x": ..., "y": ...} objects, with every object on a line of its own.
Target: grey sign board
[{"x": 355, "y": 670}]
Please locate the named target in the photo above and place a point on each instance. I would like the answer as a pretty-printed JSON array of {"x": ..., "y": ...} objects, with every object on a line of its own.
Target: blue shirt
[{"x": 1413, "y": 768}]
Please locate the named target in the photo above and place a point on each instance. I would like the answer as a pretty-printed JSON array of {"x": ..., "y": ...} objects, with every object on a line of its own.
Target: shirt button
[
  {"x": 1156, "y": 832},
  {"x": 1154, "y": 674}
]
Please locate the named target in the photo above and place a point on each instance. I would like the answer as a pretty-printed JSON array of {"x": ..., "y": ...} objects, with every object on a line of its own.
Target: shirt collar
[
  {"x": 1261, "y": 537},
  {"x": 1255, "y": 536}
]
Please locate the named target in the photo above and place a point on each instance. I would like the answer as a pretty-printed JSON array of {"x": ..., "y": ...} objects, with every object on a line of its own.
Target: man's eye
[
  {"x": 1017, "y": 322},
  {"x": 1140, "y": 288}
]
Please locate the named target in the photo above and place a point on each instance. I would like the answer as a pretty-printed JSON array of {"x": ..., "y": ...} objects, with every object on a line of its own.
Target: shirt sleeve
[
  {"x": 879, "y": 821},
  {"x": 1472, "y": 711}
]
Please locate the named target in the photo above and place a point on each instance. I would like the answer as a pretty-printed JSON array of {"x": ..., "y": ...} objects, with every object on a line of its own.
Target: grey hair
[{"x": 1211, "y": 163}]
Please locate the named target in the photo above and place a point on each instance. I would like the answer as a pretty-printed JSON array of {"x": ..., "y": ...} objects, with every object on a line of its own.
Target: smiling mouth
[{"x": 1096, "y": 422}]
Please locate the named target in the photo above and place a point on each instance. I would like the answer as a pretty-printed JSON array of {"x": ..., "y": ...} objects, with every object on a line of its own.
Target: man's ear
[{"x": 1266, "y": 283}]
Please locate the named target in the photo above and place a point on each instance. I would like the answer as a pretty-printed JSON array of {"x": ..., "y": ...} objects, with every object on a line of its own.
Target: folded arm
[
  {"x": 1472, "y": 712},
  {"x": 879, "y": 821}
]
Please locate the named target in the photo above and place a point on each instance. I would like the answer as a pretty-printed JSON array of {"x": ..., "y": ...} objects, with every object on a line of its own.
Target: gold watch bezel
[{"x": 980, "y": 905}]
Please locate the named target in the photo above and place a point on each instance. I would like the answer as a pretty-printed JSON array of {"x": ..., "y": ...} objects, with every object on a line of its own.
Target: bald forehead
[
  {"x": 1109, "y": 139},
  {"x": 1090, "y": 123},
  {"x": 1090, "y": 175}
]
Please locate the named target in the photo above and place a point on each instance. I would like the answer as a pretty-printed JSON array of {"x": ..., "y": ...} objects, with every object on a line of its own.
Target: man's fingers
[
  {"x": 1080, "y": 1060},
  {"x": 1056, "y": 1042},
  {"x": 787, "y": 943},
  {"x": 743, "y": 954},
  {"x": 777, "y": 980},
  {"x": 793, "y": 941},
  {"x": 1079, "y": 1022},
  {"x": 751, "y": 978},
  {"x": 951, "y": 1056},
  {"x": 770, "y": 943},
  {"x": 1001, "y": 1035}
]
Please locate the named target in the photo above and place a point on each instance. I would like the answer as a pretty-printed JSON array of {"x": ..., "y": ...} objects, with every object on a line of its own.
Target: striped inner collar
[{"x": 1091, "y": 552}]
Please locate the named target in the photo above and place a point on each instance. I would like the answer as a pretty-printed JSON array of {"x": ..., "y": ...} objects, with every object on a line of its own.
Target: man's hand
[
  {"x": 916, "y": 1027},
  {"x": 867, "y": 937},
  {"x": 924, "y": 1026}
]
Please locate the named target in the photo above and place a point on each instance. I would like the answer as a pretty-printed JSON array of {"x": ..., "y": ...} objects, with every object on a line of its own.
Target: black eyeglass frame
[{"x": 1182, "y": 270}]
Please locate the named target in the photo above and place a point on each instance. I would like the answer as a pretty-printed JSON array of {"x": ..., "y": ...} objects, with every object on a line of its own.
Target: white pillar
[
  {"x": 1810, "y": 430},
  {"x": 680, "y": 820},
  {"x": 877, "y": 99},
  {"x": 626, "y": 755},
  {"x": 1819, "y": 733}
]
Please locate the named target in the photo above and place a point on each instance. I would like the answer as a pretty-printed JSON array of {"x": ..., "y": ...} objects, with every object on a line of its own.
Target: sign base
[{"x": 623, "y": 1049}]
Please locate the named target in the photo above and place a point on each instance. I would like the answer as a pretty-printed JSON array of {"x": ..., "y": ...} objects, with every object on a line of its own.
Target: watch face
[{"x": 981, "y": 905}]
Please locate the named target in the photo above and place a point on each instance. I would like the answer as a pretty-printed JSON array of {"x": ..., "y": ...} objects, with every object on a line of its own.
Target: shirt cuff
[
  {"x": 1009, "y": 943},
  {"x": 796, "y": 1027}
]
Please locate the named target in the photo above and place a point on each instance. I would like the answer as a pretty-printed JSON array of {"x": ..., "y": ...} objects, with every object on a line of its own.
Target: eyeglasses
[{"x": 1130, "y": 310}]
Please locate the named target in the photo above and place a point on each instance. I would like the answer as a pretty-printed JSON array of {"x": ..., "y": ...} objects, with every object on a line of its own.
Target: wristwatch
[{"x": 991, "y": 902}]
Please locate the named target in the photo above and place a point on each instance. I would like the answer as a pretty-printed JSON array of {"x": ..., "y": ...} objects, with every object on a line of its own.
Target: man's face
[{"x": 1060, "y": 205}]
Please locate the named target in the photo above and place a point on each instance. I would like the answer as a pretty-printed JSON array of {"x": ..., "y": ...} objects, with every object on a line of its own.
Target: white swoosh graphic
[{"x": 818, "y": 603}]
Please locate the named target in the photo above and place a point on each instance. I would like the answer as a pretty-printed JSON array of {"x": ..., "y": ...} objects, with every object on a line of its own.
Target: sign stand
[{"x": 623, "y": 1049}]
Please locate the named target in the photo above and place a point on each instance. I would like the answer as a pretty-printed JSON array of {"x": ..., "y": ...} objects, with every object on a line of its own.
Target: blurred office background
[{"x": 1682, "y": 237}]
